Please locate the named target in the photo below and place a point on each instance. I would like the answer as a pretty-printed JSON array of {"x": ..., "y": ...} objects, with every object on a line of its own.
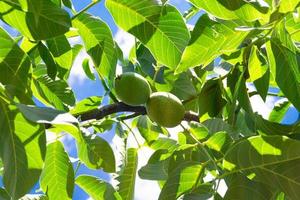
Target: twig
[{"x": 94, "y": 2}]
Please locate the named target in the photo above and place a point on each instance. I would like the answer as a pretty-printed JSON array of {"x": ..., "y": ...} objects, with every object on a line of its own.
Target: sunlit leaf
[
  {"x": 128, "y": 174},
  {"x": 87, "y": 69},
  {"x": 97, "y": 189},
  {"x": 99, "y": 44},
  {"x": 160, "y": 28},
  {"x": 22, "y": 150},
  {"x": 85, "y": 105},
  {"x": 210, "y": 39},
  {"x": 279, "y": 111},
  {"x": 256, "y": 68},
  {"x": 57, "y": 178},
  {"x": 230, "y": 10}
]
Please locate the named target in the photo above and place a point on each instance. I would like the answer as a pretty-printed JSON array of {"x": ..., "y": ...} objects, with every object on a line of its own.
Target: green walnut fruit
[
  {"x": 165, "y": 109},
  {"x": 132, "y": 88}
]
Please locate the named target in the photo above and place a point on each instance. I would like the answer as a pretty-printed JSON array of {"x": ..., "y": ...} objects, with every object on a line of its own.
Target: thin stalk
[
  {"x": 134, "y": 136},
  {"x": 94, "y": 2}
]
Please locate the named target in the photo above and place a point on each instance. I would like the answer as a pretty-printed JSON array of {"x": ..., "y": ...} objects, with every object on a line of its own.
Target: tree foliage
[{"x": 210, "y": 66}]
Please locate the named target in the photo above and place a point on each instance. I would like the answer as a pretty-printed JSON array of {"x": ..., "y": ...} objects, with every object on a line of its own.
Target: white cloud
[
  {"x": 125, "y": 41},
  {"x": 77, "y": 75},
  {"x": 259, "y": 106}
]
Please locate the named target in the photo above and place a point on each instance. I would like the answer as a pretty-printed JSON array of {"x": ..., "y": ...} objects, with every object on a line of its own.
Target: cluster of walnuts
[{"x": 163, "y": 108}]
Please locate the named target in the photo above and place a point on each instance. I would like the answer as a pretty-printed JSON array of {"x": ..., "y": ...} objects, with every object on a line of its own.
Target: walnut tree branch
[{"x": 122, "y": 107}]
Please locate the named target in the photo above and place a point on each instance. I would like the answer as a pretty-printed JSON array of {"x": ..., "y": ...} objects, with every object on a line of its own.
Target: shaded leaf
[
  {"x": 14, "y": 65},
  {"x": 4, "y": 195},
  {"x": 62, "y": 54},
  {"x": 59, "y": 119},
  {"x": 48, "y": 60},
  {"x": 97, "y": 189},
  {"x": 283, "y": 52},
  {"x": 22, "y": 150},
  {"x": 96, "y": 153},
  {"x": 29, "y": 17},
  {"x": 269, "y": 159},
  {"x": 57, "y": 178},
  {"x": 147, "y": 129},
  {"x": 51, "y": 92},
  {"x": 241, "y": 187},
  {"x": 210, "y": 99},
  {"x": 159, "y": 28}
]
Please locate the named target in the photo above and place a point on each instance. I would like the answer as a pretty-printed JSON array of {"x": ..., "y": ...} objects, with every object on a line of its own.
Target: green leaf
[
  {"x": 59, "y": 119},
  {"x": 1, "y": 168},
  {"x": 61, "y": 51},
  {"x": 217, "y": 125},
  {"x": 48, "y": 60},
  {"x": 50, "y": 92},
  {"x": 267, "y": 159},
  {"x": 57, "y": 178},
  {"x": 210, "y": 39},
  {"x": 99, "y": 44},
  {"x": 256, "y": 68},
  {"x": 288, "y": 6},
  {"x": 97, "y": 189},
  {"x": 128, "y": 174},
  {"x": 160, "y": 28},
  {"x": 154, "y": 171},
  {"x": 147, "y": 129},
  {"x": 293, "y": 26},
  {"x": 4, "y": 195},
  {"x": 36, "y": 20},
  {"x": 219, "y": 141},
  {"x": 85, "y": 105},
  {"x": 204, "y": 191},
  {"x": 181, "y": 180},
  {"x": 266, "y": 127},
  {"x": 183, "y": 87},
  {"x": 279, "y": 111},
  {"x": 96, "y": 153},
  {"x": 198, "y": 130},
  {"x": 87, "y": 69},
  {"x": 282, "y": 50},
  {"x": 14, "y": 64},
  {"x": 210, "y": 99},
  {"x": 22, "y": 150},
  {"x": 241, "y": 187},
  {"x": 230, "y": 10}
]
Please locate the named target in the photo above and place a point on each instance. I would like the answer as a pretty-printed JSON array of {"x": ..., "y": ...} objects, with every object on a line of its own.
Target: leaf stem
[
  {"x": 134, "y": 136},
  {"x": 94, "y": 2}
]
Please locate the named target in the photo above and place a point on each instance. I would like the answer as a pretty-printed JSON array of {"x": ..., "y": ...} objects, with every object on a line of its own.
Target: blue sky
[{"x": 84, "y": 87}]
